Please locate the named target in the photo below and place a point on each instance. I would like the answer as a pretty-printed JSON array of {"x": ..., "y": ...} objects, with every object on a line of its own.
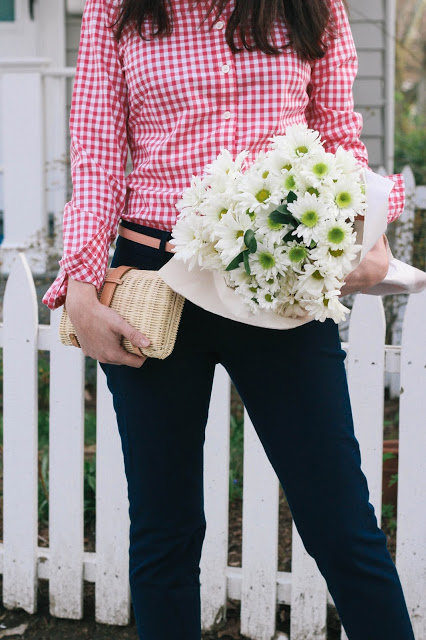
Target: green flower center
[
  {"x": 316, "y": 274},
  {"x": 240, "y": 234},
  {"x": 335, "y": 253},
  {"x": 296, "y": 254},
  {"x": 275, "y": 226},
  {"x": 266, "y": 260},
  {"x": 270, "y": 281},
  {"x": 262, "y": 195},
  {"x": 320, "y": 169},
  {"x": 313, "y": 191},
  {"x": 222, "y": 213},
  {"x": 336, "y": 235},
  {"x": 325, "y": 301},
  {"x": 268, "y": 297},
  {"x": 309, "y": 218},
  {"x": 265, "y": 174},
  {"x": 287, "y": 167},
  {"x": 253, "y": 289},
  {"x": 251, "y": 214},
  {"x": 343, "y": 199},
  {"x": 302, "y": 149},
  {"x": 290, "y": 183}
]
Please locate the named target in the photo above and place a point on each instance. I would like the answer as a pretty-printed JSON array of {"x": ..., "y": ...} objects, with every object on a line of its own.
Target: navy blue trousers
[{"x": 294, "y": 386}]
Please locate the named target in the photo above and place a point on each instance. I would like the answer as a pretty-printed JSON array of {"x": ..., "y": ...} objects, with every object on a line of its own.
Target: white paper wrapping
[{"x": 207, "y": 289}]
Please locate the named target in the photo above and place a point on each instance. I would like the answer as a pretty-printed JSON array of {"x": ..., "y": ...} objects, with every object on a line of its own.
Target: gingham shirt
[{"x": 176, "y": 102}]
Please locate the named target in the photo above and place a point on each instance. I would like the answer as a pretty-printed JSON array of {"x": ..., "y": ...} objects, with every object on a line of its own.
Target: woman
[{"x": 177, "y": 83}]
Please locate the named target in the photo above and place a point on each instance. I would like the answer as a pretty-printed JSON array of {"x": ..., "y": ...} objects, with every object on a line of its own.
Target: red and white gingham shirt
[{"x": 176, "y": 102}]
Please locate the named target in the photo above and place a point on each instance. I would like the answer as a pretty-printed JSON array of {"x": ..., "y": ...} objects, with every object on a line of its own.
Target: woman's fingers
[
  {"x": 100, "y": 329},
  {"x": 137, "y": 338},
  {"x": 371, "y": 270}
]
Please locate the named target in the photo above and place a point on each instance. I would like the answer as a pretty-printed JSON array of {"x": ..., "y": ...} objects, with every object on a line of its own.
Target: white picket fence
[{"x": 257, "y": 584}]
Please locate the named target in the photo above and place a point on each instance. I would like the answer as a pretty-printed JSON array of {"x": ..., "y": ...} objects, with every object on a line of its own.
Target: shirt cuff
[
  {"x": 396, "y": 197},
  {"x": 87, "y": 265}
]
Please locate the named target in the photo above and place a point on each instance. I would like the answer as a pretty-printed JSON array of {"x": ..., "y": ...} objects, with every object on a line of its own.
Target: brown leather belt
[{"x": 142, "y": 238}]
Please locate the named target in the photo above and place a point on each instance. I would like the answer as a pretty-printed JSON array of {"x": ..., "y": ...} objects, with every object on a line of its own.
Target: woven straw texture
[{"x": 149, "y": 305}]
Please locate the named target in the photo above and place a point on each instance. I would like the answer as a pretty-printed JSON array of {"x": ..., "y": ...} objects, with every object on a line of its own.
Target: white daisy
[
  {"x": 230, "y": 235},
  {"x": 340, "y": 259},
  {"x": 289, "y": 306},
  {"x": 194, "y": 195},
  {"x": 187, "y": 238},
  {"x": 268, "y": 260},
  {"x": 256, "y": 193},
  {"x": 315, "y": 279},
  {"x": 210, "y": 257},
  {"x": 311, "y": 213},
  {"x": 337, "y": 234},
  {"x": 297, "y": 141},
  {"x": 297, "y": 255},
  {"x": 292, "y": 180},
  {"x": 349, "y": 197},
  {"x": 327, "y": 306},
  {"x": 224, "y": 164},
  {"x": 276, "y": 161},
  {"x": 265, "y": 227},
  {"x": 214, "y": 208},
  {"x": 347, "y": 163},
  {"x": 320, "y": 168},
  {"x": 267, "y": 300}
]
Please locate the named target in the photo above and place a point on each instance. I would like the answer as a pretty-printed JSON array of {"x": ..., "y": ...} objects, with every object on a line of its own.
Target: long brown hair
[{"x": 307, "y": 22}]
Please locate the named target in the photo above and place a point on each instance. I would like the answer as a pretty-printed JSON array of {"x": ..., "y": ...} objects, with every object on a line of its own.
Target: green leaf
[
  {"x": 388, "y": 455},
  {"x": 393, "y": 479},
  {"x": 289, "y": 237},
  {"x": 282, "y": 218},
  {"x": 282, "y": 208},
  {"x": 250, "y": 240},
  {"x": 313, "y": 244},
  {"x": 246, "y": 262},
  {"x": 291, "y": 197},
  {"x": 235, "y": 262}
]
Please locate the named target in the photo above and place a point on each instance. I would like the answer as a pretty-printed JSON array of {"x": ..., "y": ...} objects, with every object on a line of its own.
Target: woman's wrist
[{"x": 83, "y": 291}]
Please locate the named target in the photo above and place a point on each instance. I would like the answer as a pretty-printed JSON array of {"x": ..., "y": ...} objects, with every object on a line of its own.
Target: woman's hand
[
  {"x": 100, "y": 329},
  {"x": 371, "y": 270}
]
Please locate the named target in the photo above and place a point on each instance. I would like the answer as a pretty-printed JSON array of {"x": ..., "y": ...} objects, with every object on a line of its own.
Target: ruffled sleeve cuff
[{"x": 396, "y": 197}]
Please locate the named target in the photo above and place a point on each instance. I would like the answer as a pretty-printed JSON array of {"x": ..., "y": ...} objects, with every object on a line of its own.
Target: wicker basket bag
[{"x": 145, "y": 301}]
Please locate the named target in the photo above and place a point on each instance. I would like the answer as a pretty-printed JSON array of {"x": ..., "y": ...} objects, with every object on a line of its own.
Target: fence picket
[
  {"x": 308, "y": 595},
  {"x": 260, "y": 539},
  {"x": 214, "y": 557},
  {"x": 112, "y": 591},
  {"x": 66, "y": 490},
  {"x": 366, "y": 360},
  {"x": 20, "y": 442},
  {"x": 256, "y": 582},
  {"x": 411, "y": 524}
]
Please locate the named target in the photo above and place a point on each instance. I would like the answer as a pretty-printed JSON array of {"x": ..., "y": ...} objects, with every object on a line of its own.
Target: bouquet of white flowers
[{"x": 280, "y": 231}]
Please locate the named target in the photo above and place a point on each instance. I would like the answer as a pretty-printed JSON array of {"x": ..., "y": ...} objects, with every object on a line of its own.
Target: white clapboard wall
[{"x": 258, "y": 584}]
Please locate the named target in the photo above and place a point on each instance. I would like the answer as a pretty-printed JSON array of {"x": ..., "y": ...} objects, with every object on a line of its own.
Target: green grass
[{"x": 236, "y": 458}]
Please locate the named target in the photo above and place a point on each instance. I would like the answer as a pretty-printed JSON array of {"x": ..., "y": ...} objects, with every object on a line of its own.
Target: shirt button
[
  {"x": 225, "y": 68},
  {"x": 219, "y": 24},
  {"x": 227, "y": 115}
]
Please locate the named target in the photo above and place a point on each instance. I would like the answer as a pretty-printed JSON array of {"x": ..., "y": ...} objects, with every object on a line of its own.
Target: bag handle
[{"x": 112, "y": 279}]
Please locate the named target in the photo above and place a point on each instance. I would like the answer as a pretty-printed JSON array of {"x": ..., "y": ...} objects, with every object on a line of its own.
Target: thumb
[{"x": 137, "y": 338}]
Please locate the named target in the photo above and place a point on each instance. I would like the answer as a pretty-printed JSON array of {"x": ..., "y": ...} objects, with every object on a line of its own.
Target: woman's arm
[
  {"x": 331, "y": 106},
  {"x": 98, "y": 130}
]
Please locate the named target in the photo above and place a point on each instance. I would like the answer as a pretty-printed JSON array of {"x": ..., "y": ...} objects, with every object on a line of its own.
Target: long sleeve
[
  {"x": 331, "y": 106},
  {"x": 98, "y": 130}
]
